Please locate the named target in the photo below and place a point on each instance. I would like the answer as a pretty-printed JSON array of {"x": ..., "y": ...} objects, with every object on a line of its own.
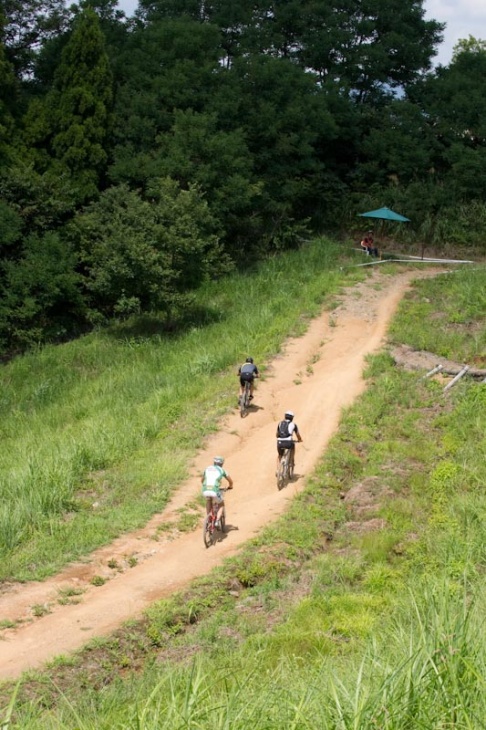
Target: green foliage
[
  {"x": 66, "y": 130},
  {"x": 28, "y": 24},
  {"x": 10, "y": 224},
  {"x": 42, "y": 201},
  {"x": 142, "y": 255},
  {"x": 198, "y": 151},
  {"x": 40, "y": 293},
  {"x": 8, "y": 92},
  {"x": 81, "y": 104}
]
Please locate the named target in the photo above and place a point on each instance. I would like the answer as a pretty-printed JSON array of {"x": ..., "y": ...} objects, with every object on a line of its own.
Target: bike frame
[
  {"x": 209, "y": 527},
  {"x": 285, "y": 467}
]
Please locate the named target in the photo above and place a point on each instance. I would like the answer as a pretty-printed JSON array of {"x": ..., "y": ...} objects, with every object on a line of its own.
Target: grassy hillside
[
  {"x": 89, "y": 444},
  {"x": 360, "y": 608}
]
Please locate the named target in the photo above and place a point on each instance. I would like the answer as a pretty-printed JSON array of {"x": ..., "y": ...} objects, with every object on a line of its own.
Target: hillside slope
[{"x": 316, "y": 376}]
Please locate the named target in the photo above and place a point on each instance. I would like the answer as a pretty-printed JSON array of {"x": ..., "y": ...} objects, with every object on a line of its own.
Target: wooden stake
[
  {"x": 458, "y": 377},
  {"x": 433, "y": 372}
]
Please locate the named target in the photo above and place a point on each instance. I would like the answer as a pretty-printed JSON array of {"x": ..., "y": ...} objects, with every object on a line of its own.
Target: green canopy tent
[{"x": 385, "y": 214}]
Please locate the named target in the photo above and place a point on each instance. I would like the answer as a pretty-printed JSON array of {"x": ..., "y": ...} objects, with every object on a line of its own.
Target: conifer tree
[
  {"x": 7, "y": 94},
  {"x": 82, "y": 102}
]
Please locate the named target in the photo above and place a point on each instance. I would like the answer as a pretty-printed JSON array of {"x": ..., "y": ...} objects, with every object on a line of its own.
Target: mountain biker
[
  {"x": 247, "y": 373},
  {"x": 211, "y": 486},
  {"x": 285, "y": 440}
]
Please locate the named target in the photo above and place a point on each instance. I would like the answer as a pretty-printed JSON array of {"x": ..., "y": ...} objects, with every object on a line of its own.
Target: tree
[
  {"x": 453, "y": 101},
  {"x": 398, "y": 145},
  {"x": 43, "y": 202},
  {"x": 143, "y": 255},
  {"x": 8, "y": 91},
  {"x": 289, "y": 131},
  {"x": 81, "y": 105},
  {"x": 67, "y": 130},
  {"x": 170, "y": 65},
  {"x": 197, "y": 151},
  {"x": 28, "y": 24},
  {"x": 362, "y": 45},
  {"x": 40, "y": 294},
  {"x": 468, "y": 45}
]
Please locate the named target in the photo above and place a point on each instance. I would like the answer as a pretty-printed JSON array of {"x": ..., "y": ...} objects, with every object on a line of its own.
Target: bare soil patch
[{"x": 412, "y": 359}]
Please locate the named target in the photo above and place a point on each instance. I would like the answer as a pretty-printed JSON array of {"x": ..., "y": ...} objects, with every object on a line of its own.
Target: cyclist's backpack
[{"x": 283, "y": 430}]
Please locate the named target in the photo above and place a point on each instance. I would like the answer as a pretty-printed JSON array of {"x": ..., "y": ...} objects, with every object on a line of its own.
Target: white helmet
[{"x": 218, "y": 460}]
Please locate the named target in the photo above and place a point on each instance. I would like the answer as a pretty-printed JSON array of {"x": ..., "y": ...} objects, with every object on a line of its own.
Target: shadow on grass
[{"x": 146, "y": 326}]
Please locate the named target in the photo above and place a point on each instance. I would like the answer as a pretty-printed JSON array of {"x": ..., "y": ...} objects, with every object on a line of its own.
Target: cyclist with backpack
[
  {"x": 285, "y": 433},
  {"x": 247, "y": 373},
  {"x": 211, "y": 485}
]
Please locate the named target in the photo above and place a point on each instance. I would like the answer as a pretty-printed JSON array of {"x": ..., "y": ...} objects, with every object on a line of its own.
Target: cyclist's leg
[
  {"x": 244, "y": 384},
  {"x": 292, "y": 456},
  {"x": 219, "y": 502}
]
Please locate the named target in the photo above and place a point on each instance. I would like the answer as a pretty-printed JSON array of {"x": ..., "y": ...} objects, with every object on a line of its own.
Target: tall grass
[
  {"x": 425, "y": 667},
  {"x": 446, "y": 315},
  {"x": 92, "y": 422}
]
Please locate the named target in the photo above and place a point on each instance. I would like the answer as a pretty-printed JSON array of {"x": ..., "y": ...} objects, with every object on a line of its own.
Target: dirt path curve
[{"x": 316, "y": 376}]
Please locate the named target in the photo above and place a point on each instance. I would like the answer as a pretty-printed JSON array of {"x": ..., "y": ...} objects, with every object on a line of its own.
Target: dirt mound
[{"x": 412, "y": 359}]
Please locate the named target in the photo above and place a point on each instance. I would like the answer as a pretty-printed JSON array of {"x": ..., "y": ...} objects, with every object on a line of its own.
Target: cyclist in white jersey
[{"x": 211, "y": 485}]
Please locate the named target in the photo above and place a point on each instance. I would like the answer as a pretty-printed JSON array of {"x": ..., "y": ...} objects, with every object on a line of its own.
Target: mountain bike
[
  {"x": 245, "y": 400},
  {"x": 209, "y": 528},
  {"x": 285, "y": 470}
]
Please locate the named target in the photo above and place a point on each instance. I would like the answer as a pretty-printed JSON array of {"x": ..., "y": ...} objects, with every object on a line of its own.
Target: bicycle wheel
[
  {"x": 281, "y": 472},
  {"x": 245, "y": 400},
  {"x": 290, "y": 467},
  {"x": 286, "y": 468},
  {"x": 242, "y": 405},
  {"x": 207, "y": 532},
  {"x": 222, "y": 522}
]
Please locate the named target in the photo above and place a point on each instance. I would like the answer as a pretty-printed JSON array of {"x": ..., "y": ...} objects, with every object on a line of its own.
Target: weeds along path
[{"x": 316, "y": 376}]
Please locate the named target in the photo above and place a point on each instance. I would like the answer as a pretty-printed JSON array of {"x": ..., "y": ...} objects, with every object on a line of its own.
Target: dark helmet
[
  {"x": 249, "y": 359},
  {"x": 289, "y": 416}
]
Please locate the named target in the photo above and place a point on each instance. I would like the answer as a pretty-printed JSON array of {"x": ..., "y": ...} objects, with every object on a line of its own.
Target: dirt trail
[{"x": 316, "y": 376}]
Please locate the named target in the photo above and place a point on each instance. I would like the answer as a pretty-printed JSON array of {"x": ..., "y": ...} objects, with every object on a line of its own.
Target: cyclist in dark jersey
[
  {"x": 247, "y": 373},
  {"x": 285, "y": 440}
]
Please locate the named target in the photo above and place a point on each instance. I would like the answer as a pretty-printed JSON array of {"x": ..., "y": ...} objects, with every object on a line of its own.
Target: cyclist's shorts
[
  {"x": 246, "y": 378},
  {"x": 284, "y": 445},
  {"x": 211, "y": 494}
]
